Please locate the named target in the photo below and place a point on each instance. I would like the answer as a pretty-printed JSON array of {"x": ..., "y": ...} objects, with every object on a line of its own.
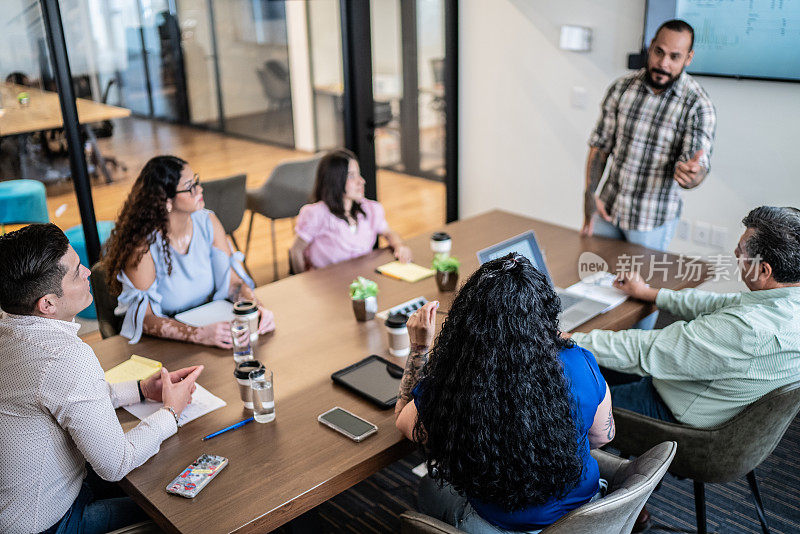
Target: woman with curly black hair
[
  {"x": 506, "y": 409},
  {"x": 168, "y": 254}
]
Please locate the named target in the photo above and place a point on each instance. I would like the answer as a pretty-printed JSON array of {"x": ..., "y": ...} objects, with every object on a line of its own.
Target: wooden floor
[{"x": 413, "y": 205}]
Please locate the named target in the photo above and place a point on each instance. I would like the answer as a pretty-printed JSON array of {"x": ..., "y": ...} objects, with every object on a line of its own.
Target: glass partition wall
[
  {"x": 408, "y": 60},
  {"x": 225, "y": 65},
  {"x": 36, "y": 139},
  {"x": 262, "y": 70}
]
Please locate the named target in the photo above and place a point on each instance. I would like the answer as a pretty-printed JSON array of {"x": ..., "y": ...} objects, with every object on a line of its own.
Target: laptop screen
[{"x": 524, "y": 244}]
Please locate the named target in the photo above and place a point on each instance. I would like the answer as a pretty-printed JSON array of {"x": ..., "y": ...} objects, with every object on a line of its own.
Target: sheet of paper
[
  {"x": 599, "y": 287},
  {"x": 210, "y": 312},
  {"x": 203, "y": 402},
  {"x": 135, "y": 368},
  {"x": 421, "y": 470},
  {"x": 410, "y": 272}
]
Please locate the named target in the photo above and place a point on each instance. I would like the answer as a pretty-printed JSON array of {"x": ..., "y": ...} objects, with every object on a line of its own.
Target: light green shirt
[{"x": 727, "y": 352}]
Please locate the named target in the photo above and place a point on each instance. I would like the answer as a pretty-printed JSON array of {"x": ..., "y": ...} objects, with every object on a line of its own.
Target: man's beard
[{"x": 660, "y": 86}]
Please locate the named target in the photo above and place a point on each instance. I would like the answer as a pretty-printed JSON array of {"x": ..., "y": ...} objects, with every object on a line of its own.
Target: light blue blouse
[{"x": 201, "y": 275}]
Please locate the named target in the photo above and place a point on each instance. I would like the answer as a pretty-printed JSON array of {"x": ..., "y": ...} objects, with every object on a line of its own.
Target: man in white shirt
[{"x": 56, "y": 409}]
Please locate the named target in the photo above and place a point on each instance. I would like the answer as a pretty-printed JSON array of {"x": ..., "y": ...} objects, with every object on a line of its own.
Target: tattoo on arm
[
  {"x": 414, "y": 364},
  {"x": 235, "y": 291},
  {"x": 169, "y": 328},
  {"x": 701, "y": 174},
  {"x": 609, "y": 427},
  {"x": 596, "y": 167}
]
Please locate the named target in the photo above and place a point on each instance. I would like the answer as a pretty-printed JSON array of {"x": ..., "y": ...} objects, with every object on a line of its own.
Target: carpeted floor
[{"x": 374, "y": 505}]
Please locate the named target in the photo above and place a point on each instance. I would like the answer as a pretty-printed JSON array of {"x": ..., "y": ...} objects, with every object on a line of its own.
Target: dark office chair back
[
  {"x": 19, "y": 78},
  {"x": 437, "y": 66},
  {"x": 106, "y": 128},
  {"x": 104, "y": 302},
  {"x": 274, "y": 78},
  {"x": 382, "y": 113},
  {"x": 720, "y": 454},
  {"x": 226, "y": 198}
]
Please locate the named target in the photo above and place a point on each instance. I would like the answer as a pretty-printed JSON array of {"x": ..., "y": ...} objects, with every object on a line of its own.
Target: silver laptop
[{"x": 576, "y": 309}]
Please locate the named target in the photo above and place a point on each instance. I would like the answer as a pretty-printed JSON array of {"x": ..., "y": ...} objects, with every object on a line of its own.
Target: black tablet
[{"x": 374, "y": 378}]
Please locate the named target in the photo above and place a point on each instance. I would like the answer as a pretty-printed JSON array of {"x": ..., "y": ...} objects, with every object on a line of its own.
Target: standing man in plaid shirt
[{"x": 657, "y": 124}]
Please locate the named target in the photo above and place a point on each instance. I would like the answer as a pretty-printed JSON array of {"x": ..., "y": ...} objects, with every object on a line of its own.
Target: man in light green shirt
[{"x": 728, "y": 350}]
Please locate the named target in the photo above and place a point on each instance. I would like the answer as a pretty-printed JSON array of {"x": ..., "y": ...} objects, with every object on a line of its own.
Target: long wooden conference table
[{"x": 280, "y": 470}]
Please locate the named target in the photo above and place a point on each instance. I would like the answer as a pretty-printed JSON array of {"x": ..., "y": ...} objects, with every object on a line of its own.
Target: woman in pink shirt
[{"x": 341, "y": 224}]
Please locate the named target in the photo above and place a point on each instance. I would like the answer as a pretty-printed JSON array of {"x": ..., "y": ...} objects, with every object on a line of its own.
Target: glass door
[
  {"x": 408, "y": 59},
  {"x": 430, "y": 87},
  {"x": 253, "y": 60},
  {"x": 407, "y": 41},
  {"x": 327, "y": 85},
  {"x": 200, "y": 62},
  {"x": 153, "y": 82}
]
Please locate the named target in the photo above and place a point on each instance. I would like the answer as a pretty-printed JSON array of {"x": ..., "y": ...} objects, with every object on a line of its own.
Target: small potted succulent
[
  {"x": 363, "y": 292},
  {"x": 446, "y": 271}
]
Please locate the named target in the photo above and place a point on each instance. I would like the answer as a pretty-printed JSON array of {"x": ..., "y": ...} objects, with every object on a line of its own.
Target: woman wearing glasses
[{"x": 168, "y": 254}]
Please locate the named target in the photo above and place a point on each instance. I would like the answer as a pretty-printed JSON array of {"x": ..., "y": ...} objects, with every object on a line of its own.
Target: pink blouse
[{"x": 331, "y": 240}]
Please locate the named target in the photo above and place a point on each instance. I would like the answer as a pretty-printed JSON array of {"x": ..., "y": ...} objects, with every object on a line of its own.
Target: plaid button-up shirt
[{"x": 646, "y": 135}]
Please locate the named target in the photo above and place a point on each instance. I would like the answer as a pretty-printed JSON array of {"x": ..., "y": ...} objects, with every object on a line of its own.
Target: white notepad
[
  {"x": 599, "y": 287},
  {"x": 203, "y": 402},
  {"x": 209, "y": 313}
]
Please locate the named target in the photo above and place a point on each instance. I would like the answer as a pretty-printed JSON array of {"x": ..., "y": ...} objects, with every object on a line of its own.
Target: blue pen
[{"x": 232, "y": 427}]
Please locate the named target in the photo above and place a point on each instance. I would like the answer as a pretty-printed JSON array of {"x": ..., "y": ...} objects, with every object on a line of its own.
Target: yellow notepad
[
  {"x": 410, "y": 272},
  {"x": 135, "y": 368}
]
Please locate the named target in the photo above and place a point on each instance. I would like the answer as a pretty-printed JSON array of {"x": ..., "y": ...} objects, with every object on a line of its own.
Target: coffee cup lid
[
  {"x": 244, "y": 307},
  {"x": 440, "y": 236},
  {"x": 243, "y": 368},
  {"x": 396, "y": 320}
]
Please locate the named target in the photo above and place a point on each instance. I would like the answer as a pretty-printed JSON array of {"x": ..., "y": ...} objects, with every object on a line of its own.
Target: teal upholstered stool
[
  {"x": 78, "y": 242},
  {"x": 22, "y": 201}
]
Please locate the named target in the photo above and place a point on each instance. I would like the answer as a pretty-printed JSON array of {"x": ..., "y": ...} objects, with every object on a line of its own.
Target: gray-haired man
[{"x": 728, "y": 350}]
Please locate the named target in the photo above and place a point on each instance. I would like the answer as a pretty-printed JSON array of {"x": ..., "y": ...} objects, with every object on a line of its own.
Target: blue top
[
  {"x": 201, "y": 275},
  {"x": 588, "y": 389}
]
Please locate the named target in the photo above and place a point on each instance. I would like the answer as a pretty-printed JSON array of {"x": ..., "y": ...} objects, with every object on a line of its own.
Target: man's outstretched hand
[{"x": 690, "y": 173}]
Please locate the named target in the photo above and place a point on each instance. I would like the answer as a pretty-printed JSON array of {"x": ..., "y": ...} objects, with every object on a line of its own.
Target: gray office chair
[
  {"x": 104, "y": 302},
  {"x": 274, "y": 78},
  {"x": 630, "y": 484},
  {"x": 720, "y": 454},
  {"x": 288, "y": 188},
  {"x": 226, "y": 197}
]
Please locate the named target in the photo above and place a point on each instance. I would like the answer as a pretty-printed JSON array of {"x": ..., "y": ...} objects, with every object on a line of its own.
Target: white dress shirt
[{"x": 56, "y": 413}]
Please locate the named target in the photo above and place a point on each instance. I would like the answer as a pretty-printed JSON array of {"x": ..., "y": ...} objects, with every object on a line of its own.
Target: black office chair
[
  {"x": 104, "y": 302},
  {"x": 437, "y": 67}
]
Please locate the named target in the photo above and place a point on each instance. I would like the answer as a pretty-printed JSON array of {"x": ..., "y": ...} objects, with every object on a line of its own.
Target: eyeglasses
[{"x": 192, "y": 188}]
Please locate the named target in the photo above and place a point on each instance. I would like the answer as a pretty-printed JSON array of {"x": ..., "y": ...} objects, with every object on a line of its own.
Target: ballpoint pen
[{"x": 232, "y": 427}]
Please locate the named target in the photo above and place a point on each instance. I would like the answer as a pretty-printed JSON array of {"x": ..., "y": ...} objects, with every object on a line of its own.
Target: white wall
[
  {"x": 523, "y": 145},
  {"x": 300, "y": 69},
  {"x": 198, "y": 60},
  {"x": 326, "y": 42}
]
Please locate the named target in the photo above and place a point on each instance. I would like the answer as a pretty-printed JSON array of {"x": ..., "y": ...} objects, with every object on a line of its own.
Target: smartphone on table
[
  {"x": 347, "y": 423},
  {"x": 197, "y": 476}
]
